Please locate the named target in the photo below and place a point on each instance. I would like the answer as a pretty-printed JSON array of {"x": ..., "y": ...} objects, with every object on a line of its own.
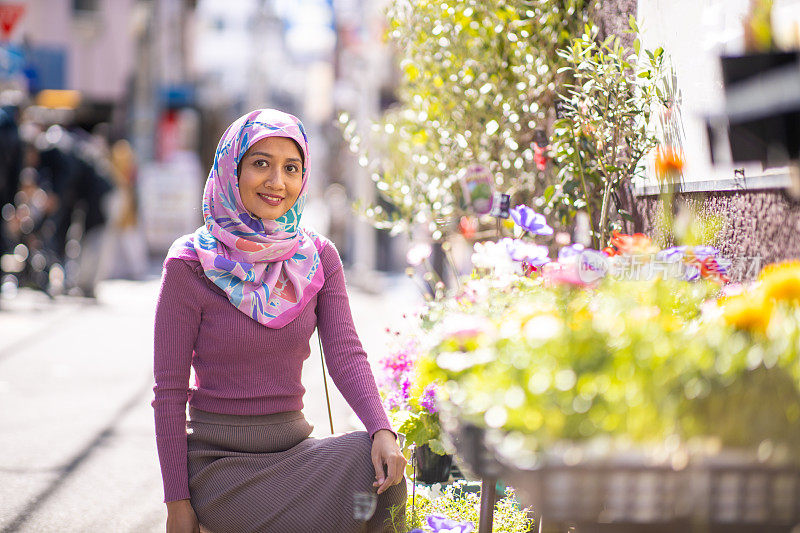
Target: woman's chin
[{"x": 271, "y": 214}]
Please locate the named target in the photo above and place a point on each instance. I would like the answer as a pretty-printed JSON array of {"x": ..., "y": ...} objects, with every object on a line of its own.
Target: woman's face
[{"x": 271, "y": 177}]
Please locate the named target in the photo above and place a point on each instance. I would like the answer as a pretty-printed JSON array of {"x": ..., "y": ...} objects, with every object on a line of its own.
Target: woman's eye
[
  {"x": 260, "y": 163},
  {"x": 291, "y": 168}
]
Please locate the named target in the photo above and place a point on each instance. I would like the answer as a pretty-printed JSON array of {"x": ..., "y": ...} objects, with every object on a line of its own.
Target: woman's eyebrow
[{"x": 265, "y": 154}]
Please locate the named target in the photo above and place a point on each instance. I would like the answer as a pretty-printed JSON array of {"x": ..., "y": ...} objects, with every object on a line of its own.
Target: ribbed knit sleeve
[
  {"x": 177, "y": 321},
  {"x": 345, "y": 357}
]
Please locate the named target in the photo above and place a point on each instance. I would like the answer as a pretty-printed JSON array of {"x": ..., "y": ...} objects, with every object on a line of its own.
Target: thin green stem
[
  {"x": 604, "y": 212},
  {"x": 583, "y": 183},
  {"x": 449, "y": 255}
]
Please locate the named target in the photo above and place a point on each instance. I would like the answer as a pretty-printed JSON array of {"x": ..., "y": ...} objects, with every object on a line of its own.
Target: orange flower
[
  {"x": 638, "y": 243},
  {"x": 467, "y": 227},
  {"x": 781, "y": 281},
  {"x": 710, "y": 269},
  {"x": 669, "y": 163},
  {"x": 750, "y": 312}
]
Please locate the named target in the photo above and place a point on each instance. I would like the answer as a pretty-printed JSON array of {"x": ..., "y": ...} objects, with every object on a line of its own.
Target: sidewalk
[{"x": 75, "y": 385}]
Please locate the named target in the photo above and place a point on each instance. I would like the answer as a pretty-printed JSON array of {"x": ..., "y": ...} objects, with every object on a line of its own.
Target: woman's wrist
[
  {"x": 177, "y": 504},
  {"x": 388, "y": 432}
]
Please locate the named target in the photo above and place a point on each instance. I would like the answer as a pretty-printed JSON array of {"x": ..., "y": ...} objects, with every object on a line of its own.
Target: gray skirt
[{"x": 265, "y": 474}]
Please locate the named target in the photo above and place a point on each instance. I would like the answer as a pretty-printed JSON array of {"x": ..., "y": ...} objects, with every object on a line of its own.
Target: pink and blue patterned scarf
[{"x": 269, "y": 269}]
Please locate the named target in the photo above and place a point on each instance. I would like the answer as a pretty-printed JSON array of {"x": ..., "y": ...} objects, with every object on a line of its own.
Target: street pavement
[{"x": 77, "y": 449}]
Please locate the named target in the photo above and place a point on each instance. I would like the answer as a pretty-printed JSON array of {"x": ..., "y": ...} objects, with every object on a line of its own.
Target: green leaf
[
  {"x": 548, "y": 193},
  {"x": 437, "y": 447},
  {"x": 625, "y": 214}
]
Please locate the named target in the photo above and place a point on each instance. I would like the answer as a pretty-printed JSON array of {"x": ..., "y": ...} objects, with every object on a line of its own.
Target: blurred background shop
[{"x": 111, "y": 111}]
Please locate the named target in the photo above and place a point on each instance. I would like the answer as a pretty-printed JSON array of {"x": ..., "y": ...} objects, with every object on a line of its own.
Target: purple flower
[
  {"x": 405, "y": 387},
  {"x": 532, "y": 254},
  {"x": 441, "y": 524},
  {"x": 671, "y": 254},
  {"x": 570, "y": 251},
  {"x": 703, "y": 252},
  {"x": 530, "y": 220},
  {"x": 428, "y": 398}
]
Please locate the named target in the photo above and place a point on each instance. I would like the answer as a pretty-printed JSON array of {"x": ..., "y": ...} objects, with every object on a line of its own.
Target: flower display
[
  {"x": 531, "y": 221},
  {"x": 412, "y": 405},
  {"x": 776, "y": 292},
  {"x": 454, "y": 508},
  {"x": 428, "y": 398},
  {"x": 640, "y": 359}
]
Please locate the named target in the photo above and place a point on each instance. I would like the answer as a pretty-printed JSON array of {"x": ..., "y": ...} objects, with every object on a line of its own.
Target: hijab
[{"x": 269, "y": 269}]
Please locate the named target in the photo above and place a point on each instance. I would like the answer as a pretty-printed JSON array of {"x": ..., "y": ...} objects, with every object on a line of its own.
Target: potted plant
[
  {"x": 413, "y": 412},
  {"x": 604, "y": 132}
]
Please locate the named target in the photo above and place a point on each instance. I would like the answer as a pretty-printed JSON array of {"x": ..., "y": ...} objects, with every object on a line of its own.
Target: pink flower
[{"x": 540, "y": 156}]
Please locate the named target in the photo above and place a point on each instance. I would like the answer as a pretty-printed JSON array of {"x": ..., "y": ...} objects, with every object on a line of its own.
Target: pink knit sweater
[{"x": 242, "y": 367}]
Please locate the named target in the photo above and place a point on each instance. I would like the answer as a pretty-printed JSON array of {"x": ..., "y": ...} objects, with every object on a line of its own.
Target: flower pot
[{"x": 431, "y": 467}]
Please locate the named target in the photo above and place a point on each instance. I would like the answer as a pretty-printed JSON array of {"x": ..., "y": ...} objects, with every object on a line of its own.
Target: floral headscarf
[{"x": 269, "y": 269}]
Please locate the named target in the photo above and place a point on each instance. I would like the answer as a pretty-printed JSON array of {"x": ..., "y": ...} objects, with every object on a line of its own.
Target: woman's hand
[
  {"x": 181, "y": 517},
  {"x": 385, "y": 451}
]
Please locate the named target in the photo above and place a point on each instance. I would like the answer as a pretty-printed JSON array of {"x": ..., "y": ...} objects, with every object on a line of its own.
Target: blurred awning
[{"x": 58, "y": 99}]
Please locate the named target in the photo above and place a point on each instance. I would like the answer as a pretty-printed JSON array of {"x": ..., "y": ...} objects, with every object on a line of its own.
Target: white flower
[
  {"x": 492, "y": 255},
  {"x": 418, "y": 253}
]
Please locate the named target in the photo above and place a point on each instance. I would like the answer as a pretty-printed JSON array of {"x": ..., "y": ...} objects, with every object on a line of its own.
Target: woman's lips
[{"x": 269, "y": 199}]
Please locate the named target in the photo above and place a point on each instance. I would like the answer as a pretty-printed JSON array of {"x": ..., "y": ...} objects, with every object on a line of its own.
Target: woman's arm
[
  {"x": 177, "y": 321},
  {"x": 344, "y": 354},
  {"x": 350, "y": 370},
  {"x": 181, "y": 517}
]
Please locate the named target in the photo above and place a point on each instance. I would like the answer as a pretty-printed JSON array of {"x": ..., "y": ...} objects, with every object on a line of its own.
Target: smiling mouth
[{"x": 270, "y": 199}]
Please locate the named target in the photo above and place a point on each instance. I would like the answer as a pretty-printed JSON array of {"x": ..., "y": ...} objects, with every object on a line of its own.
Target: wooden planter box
[{"x": 625, "y": 494}]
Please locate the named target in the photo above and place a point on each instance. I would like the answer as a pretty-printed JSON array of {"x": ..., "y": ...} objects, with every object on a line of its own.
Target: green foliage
[
  {"x": 479, "y": 79},
  {"x": 631, "y": 359},
  {"x": 605, "y": 128},
  {"x": 458, "y": 504},
  {"x": 420, "y": 427}
]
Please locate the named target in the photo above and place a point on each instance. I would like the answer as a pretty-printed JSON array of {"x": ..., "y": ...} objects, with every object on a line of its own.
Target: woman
[{"x": 239, "y": 301}]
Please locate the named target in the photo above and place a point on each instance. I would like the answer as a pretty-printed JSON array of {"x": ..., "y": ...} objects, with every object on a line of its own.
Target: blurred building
[
  {"x": 86, "y": 46},
  {"x": 365, "y": 82},
  {"x": 755, "y": 199},
  {"x": 166, "y": 120}
]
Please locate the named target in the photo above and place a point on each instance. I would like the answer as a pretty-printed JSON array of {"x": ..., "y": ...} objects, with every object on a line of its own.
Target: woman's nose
[{"x": 274, "y": 178}]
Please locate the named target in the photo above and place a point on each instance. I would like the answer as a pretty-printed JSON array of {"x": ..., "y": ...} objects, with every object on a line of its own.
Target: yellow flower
[
  {"x": 781, "y": 281},
  {"x": 749, "y": 311}
]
